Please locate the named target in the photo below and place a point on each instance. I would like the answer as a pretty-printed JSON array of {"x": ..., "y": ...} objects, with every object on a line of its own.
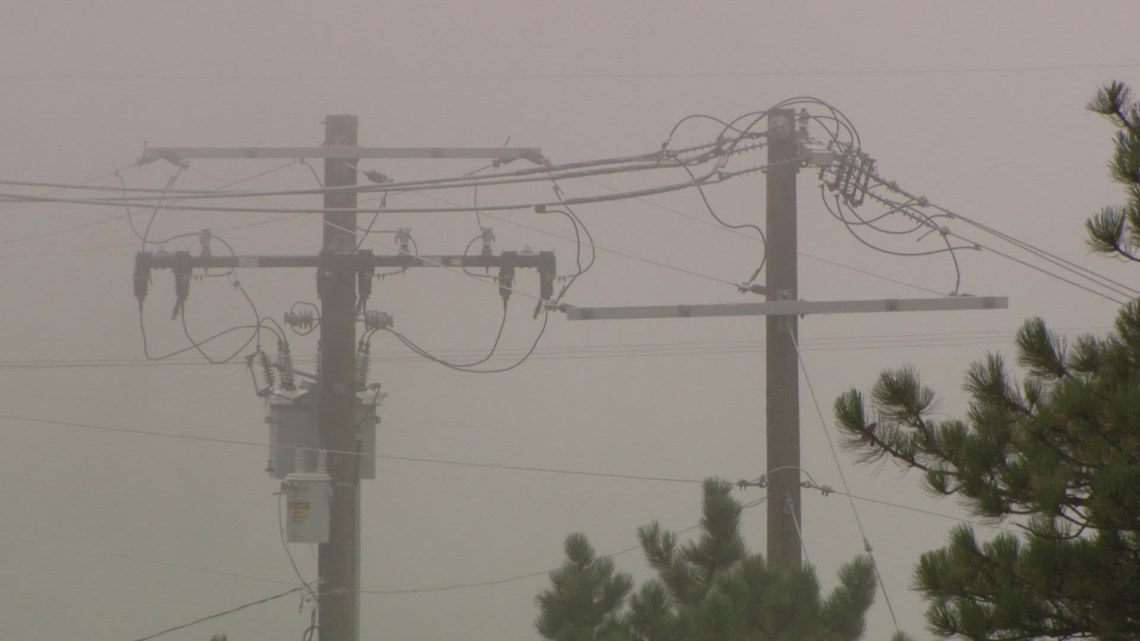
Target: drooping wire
[
  {"x": 843, "y": 478},
  {"x": 579, "y": 229},
  {"x": 255, "y": 335},
  {"x": 198, "y": 343},
  {"x": 467, "y": 368},
  {"x": 712, "y": 212}
]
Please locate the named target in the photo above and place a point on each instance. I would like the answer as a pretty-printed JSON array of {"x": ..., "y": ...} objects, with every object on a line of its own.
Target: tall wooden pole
[
  {"x": 783, "y": 377},
  {"x": 339, "y": 560}
]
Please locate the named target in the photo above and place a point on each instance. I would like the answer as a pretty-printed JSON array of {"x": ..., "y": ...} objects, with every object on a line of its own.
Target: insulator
[
  {"x": 488, "y": 239},
  {"x": 262, "y": 373},
  {"x": 403, "y": 238},
  {"x": 285, "y": 366},
  {"x": 267, "y": 369},
  {"x": 374, "y": 320},
  {"x": 362, "y": 363},
  {"x": 204, "y": 240},
  {"x": 302, "y": 320}
]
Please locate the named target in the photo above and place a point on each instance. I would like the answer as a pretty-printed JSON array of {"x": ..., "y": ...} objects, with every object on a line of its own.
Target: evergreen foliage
[
  {"x": 1059, "y": 450},
  {"x": 1116, "y": 229},
  {"x": 704, "y": 590}
]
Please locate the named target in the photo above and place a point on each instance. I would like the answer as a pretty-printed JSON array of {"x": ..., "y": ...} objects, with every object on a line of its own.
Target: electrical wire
[
  {"x": 871, "y": 274},
  {"x": 55, "y": 188},
  {"x": 579, "y": 229},
  {"x": 918, "y": 510},
  {"x": 389, "y": 457},
  {"x": 640, "y": 162},
  {"x": 219, "y": 615},
  {"x": 1053, "y": 259},
  {"x": 736, "y": 232},
  {"x": 66, "y": 230},
  {"x": 198, "y": 346},
  {"x": 878, "y": 342},
  {"x": 706, "y": 179},
  {"x": 609, "y": 250},
  {"x": 563, "y": 172},
  {"x": 843, "y": 478},
  {"x": 799, "y": 531},
  {"x": 154, "y": 212},
  {"x": 467, "y": 368},
  {"x": 911, "y": 208}
]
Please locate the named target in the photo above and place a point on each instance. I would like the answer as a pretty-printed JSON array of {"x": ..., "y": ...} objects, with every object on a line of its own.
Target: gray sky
[{"x": 977, "y": 105}]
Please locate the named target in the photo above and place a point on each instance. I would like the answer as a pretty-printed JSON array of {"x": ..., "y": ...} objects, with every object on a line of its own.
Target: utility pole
[
  {"x": 782, "y": 308},
  {"x": 338, "y": 567},
  {"x": 782, "y": 406},
  {"x": 343, "y": 272}
]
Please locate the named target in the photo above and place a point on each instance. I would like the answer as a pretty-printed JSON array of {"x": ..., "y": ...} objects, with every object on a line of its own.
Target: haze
[{"x": 116, "y": 534}]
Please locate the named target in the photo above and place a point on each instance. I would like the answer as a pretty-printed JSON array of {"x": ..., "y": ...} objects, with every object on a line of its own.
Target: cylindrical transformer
[{"x": 307, "y": 507}]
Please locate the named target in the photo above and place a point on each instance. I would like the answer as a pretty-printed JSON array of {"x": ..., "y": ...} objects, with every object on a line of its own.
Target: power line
[
  {"x": 919, "y": 510},
  {"x": 878, "y": 342},
  {"x": 429, "y": 460},
  {"x": 219, "y": 615},
  {"x": 390, "y": 457}
]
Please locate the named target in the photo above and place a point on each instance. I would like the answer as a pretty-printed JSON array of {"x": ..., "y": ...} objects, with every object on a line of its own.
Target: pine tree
[
  {"x": 1116, "y": 229},
  {"x": 708, "y": 589},
  {"x": 585, "y": 594},
  {"x": 1059, "y": 450}
]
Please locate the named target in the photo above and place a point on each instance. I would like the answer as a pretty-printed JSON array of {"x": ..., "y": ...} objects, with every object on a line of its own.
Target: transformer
[{"x": 293, "y": 427}]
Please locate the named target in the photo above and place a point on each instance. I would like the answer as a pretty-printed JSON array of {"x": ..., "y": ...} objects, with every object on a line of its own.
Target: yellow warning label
[{"x": 299, "y": 511}]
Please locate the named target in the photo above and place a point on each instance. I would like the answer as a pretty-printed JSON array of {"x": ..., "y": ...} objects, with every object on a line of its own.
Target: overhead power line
[{"x": 219, "y": 615}]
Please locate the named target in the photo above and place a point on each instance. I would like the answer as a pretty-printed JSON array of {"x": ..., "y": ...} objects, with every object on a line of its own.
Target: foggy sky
[{"x": 114, "y": 535}]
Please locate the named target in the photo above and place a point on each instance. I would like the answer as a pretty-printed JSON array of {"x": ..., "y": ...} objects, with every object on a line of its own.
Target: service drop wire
[{"x": 417, "y": 349}]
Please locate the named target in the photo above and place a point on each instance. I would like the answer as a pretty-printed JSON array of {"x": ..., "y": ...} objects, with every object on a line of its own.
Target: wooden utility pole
[
  {"x": 338, "y": 566},
  {"x": 782, "y": 367},
  {"x": 342, "y": 268},
  {"x": 783, "y": 308}
]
